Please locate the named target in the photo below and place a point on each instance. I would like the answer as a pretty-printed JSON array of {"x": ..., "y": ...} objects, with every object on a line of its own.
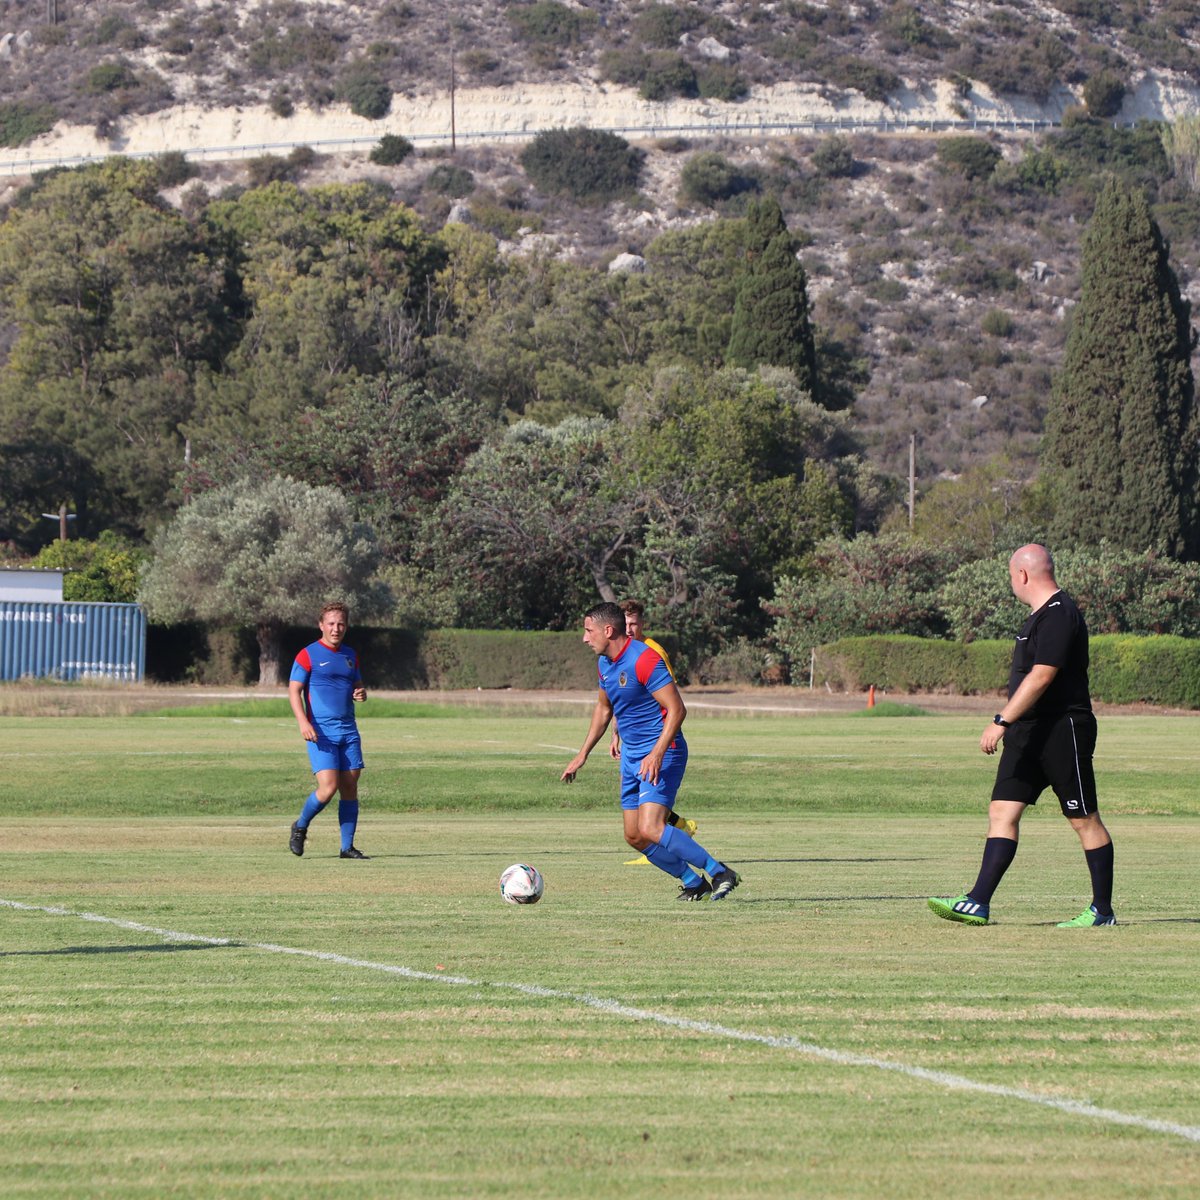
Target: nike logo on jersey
[
  {"x": 324, "y": 664},
  {"x": 1054, "y": 604}
]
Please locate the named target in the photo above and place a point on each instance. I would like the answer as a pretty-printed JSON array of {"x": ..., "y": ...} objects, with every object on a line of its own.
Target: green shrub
[
  {"x": 887, "y": 291},
  {"x": 448, "y": 180},
  {"x": 549, "y": 23},
  {"x": 268, "y": 168},
  {"x": 281, "y": 102},
  {"x": 499, "y": 220},
  {"x": 1091, "y": 148},
  {"x": 173, "y": 168},
  {"x": 860, "y": 586},
  {"x": 997, "y": 323},
  {"x": 668, "y": 75},
  {"x": 1019, "y": 62},
  {"x": 300, "y": 158},
  {"x": 365, "y": 91},
  {"x": 625, "y": 66},
  {"x": 908, "y": 27},
  {"x": 741, "y": 662},
  {"x": 392, "y": 150},
  {"x": 969, "y": 156},
  {"x": 110, "y": 28},
  {"x": 833, "y": 158},
  {"x": 1120, "y": 591},
  {"x": 1040, "y": 171},
  {"x": 876, "y": 83},
  {"x": 974, "y": 276},
  {"x": 299, "y": 44},
  {"x": 19, "y": 123},
  {"x": 478, "y": 62},
  {"x": 110, "y": 77},
  {"x": 177, "y": 44},
  {"x": 721, "y": 82},
  {"x": 1104, "y": 93},
  {"x": 105, "y": 570},
  {"x": 708, "y": 178},
  {"x": 588, "y": 165},
  {"x": 664, "y": 24}
]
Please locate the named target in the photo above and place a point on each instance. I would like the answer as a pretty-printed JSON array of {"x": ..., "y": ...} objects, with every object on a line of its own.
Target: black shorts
[{"x": 1054, "y": 752}]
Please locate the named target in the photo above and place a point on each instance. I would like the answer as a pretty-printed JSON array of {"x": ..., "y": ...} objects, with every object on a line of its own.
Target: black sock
[
  {"x": 1100, "y": 864},
  {"x": 998, "y": 854}
]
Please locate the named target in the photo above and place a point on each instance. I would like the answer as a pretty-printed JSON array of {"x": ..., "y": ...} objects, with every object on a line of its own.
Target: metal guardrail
[{"x": 709, "y": 129}]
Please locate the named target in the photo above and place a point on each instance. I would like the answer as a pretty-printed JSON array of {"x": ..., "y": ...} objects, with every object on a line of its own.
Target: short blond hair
[{"x": 334, "y": 606}]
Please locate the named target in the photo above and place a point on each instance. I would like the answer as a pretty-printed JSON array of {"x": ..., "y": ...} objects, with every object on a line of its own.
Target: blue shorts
[
  {"x": 342, "y": 755},
  {"x": 636, "y": 791}
]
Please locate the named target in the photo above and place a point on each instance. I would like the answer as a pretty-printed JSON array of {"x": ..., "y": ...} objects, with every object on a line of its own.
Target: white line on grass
[{"x": 960, "y": 1083}]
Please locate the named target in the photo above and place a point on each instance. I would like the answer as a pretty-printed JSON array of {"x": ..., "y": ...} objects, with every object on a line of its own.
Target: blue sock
[
  {"x": 677, "y": 843},
  {"x": 312, "y": 806},
  {"x": 348, "y": 820},
  {"x": 664, "y": 860}
]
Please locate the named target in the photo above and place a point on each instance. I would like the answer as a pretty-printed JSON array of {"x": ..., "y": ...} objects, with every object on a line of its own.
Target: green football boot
[
  {"x": 959, "y": 908},
  {"x": 1088, "y": 919}
]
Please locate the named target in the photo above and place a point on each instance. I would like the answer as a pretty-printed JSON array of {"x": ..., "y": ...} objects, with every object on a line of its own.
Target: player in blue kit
[
  {"x": 637, "y": 688},
  {"x": 325, "y": 685}
]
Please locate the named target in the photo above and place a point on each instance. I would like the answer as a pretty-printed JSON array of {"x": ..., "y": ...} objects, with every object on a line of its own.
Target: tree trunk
[{"x": 268, "y": 654}]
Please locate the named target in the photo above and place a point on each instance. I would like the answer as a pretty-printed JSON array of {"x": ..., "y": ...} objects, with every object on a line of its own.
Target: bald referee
[{"x": 1049, "y": 734}]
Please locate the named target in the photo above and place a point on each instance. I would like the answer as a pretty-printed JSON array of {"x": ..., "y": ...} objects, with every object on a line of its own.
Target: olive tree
[{"x": 262, "y": 552}]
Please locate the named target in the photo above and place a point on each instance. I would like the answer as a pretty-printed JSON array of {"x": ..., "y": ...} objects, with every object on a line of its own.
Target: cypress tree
[
  {"x": 1120, "y": 445},
  {"x": 770, "y": 315}
]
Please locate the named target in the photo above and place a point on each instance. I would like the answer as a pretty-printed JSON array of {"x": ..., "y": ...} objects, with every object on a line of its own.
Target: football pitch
[{"x": 186, "y": 1009}]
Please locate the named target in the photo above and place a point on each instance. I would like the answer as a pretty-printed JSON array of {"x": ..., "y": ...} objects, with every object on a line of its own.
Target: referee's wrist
[{"x": 998, "y": 719}]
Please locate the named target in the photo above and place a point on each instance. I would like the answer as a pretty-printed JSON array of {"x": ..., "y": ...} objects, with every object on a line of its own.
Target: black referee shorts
[{"x": 1052, "y": 752}]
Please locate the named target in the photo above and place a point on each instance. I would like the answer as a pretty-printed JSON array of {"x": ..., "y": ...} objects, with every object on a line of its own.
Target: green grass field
[{"x": 201, "y": 1014}]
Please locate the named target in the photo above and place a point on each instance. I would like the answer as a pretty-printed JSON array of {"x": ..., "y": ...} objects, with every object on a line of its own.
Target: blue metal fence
[{"x": 72, "y": 640}]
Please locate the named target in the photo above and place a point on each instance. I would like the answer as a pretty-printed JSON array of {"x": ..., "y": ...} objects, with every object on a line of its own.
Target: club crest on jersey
[{"x": 622, "y": 679}]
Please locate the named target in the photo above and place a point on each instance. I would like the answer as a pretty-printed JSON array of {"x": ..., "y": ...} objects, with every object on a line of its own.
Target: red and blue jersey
[
  {"x": 629, "y": 682},
  {"x": 329, "y": 677}
]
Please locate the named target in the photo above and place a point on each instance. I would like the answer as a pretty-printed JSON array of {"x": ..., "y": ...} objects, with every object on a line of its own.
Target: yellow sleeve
[{"x": 661, "y": 654}]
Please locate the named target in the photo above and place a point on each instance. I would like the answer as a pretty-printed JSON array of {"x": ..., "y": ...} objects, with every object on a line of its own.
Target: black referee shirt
[{"x": 1054, "y": 635}]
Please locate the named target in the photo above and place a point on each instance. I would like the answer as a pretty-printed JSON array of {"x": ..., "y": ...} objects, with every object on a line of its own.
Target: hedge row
[
  {"x": 1125, "y": 669},
  {"x": 391, "y": 658}
]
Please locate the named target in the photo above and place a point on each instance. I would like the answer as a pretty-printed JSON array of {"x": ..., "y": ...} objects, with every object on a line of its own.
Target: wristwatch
[{"x": 999, "y": 720}]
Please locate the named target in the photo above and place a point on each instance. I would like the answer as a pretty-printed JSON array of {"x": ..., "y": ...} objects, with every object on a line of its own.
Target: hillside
[{"x": 947, "y": 294}]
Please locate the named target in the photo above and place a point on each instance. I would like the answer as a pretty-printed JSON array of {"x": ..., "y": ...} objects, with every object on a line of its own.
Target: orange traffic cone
[{"x": 871, "y": 696}]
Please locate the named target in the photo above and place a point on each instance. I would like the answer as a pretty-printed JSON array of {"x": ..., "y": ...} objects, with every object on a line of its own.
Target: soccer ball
[{"x": 521, "y": 884}]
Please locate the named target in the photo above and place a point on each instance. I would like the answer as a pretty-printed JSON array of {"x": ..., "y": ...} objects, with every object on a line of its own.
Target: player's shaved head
[{"x": 1036, "y": 561}]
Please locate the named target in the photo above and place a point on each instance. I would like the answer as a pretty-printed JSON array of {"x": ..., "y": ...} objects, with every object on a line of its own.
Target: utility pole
[
  {"x": 51, "y": 12},
  {"x": 62, "y": 517},
  {"x": 912, "y": 479},
  {"x": 453, "y": 81}
]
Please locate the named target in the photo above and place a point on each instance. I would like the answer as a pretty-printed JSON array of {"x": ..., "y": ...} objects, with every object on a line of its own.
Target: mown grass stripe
[{"x": 616, "y": 1008}]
